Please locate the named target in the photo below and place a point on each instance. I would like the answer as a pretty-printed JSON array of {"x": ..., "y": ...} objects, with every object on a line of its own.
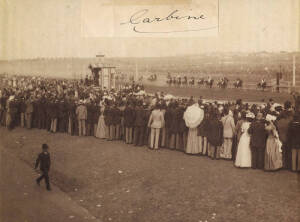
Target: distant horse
[
  {"x": 262, "y": 86},
  {"x": 184, "y": 82},
  {"x": 192, "y": 81},
  {"x": 200, "y": 82},
  {"x": 238, "y": 84},
  {"x": 222, "y": 83},
  {"x": 153, "y": 77},
  {"x": 209, "y": 83},
  {"x": 178, "y": 81},
  {"x": 169, "y": 76},
  {"x": 174, "y": 81},
  {"x": 169, "y": 81}
]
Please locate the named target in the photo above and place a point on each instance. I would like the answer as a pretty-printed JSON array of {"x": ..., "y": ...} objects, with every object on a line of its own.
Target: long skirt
[
  {"x": 101, "y": 128},
  {"x": 243, "y": 156},
  {"x": 226, "y": 149},
  {"x": 273, "y": 158},
  {"x": 193, "y": 142}
]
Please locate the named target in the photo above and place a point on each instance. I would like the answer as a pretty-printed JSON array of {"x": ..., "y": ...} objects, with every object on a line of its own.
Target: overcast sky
[{"x": 52, "y": 28}]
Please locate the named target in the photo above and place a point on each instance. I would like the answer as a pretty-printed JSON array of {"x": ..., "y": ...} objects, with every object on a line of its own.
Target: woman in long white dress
[
  {"x": 193, "y": 116},
  {"x": 101, "y": 124},
  {"x": 243, "y": 156}
]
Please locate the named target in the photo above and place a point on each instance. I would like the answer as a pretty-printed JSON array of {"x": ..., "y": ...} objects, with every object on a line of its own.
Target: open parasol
[{"x": 193, "y": 116}]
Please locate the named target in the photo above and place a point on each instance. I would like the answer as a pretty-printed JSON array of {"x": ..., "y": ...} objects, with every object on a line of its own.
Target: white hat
[
  {"x": 270, "y": 117},
  {"x": 11, "y": 98},
  {"x": 250, "y": 115}
]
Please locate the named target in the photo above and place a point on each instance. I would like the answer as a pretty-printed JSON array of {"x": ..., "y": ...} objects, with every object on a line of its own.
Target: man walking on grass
[{"x": 44, "y": 161}]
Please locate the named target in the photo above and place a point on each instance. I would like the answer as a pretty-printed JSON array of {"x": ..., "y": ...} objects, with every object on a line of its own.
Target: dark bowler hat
[{"x": 45, "y": 146}]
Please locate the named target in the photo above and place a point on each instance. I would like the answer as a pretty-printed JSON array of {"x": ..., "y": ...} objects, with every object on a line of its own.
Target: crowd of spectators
[{"x": 261, "y": 136}]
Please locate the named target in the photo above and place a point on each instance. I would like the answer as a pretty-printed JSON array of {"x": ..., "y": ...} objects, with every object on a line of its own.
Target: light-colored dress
[
  {"x": 193, "y": 116},
  {"x": 101, "y": 125},
  {"x": 273, "y": 156},
  {"x": 193, "y": 142},
  {"x": 243, "y": 156}
]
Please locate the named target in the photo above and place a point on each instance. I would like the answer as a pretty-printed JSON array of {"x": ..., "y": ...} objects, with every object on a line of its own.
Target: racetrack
[
  {"x": 222, "y": 94},
  {"x": 215, "y": 93}
]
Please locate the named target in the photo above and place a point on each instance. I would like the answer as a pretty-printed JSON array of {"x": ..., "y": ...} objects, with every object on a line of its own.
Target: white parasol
[{"x": 193, "y": 116}]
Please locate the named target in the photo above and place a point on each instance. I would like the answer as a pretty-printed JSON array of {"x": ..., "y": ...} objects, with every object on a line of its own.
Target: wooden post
[
  {"x": 114, "y": 79},
  {"x": 294, "y": 70}
]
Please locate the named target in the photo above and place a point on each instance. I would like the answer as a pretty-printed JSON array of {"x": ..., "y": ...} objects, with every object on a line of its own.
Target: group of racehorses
[
  {"x": 184, "y": 81},
  {"x": 208, "y": 82}
]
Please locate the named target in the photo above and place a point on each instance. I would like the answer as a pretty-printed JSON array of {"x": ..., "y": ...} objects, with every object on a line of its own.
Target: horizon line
[{"x": 138, "y": 57}]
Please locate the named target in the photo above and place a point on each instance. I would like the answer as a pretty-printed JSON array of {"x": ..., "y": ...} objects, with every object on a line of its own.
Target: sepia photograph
[{"x": 149, "y": 110}]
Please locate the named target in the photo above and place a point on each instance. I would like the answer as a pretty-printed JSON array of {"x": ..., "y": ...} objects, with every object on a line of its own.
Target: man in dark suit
[
  {"x": 89, "y": 120},
  {"x": 41, "y": 112},
  {"x": 117, "y": 120},
  {"x": 48, "y": 114},
  {"x": 22, "y": 109},
  {"x": 168, "y": 123},
  {"x": 139, "y": 124},
  {"x": 72, "y": 117},
  {"x": 258, "y": 141},
  {"x": 129, "y": 117},
  {"x": 44, "y": 161}
]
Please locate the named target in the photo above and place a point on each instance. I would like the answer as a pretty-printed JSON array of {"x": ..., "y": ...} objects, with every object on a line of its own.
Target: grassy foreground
[{"x": 119, "y": 182}]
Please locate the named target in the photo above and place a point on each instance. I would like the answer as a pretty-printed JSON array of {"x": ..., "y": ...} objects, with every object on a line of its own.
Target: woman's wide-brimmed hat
[{"x": 270, "y": 117}]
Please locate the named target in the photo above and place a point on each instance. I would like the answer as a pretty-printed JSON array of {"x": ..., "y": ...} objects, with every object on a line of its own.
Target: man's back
[
  {"x": 139, "y": 117},
  {"x": 282, "y": 126},
  {"x": 258, "y": 134},
  {"x": 44, "y": 161},
  {"x": 228, "y": 126}
]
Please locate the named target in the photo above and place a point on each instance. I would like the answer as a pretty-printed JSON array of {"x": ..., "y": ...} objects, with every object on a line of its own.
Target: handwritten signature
[{"x": 140, "y": 19}]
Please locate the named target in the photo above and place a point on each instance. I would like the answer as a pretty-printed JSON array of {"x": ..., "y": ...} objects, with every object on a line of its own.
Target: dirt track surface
[
  {"x": 119, "y": 182},
  {"x": 21, "y": 200},
  {"x": 222, "y": 94}
]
